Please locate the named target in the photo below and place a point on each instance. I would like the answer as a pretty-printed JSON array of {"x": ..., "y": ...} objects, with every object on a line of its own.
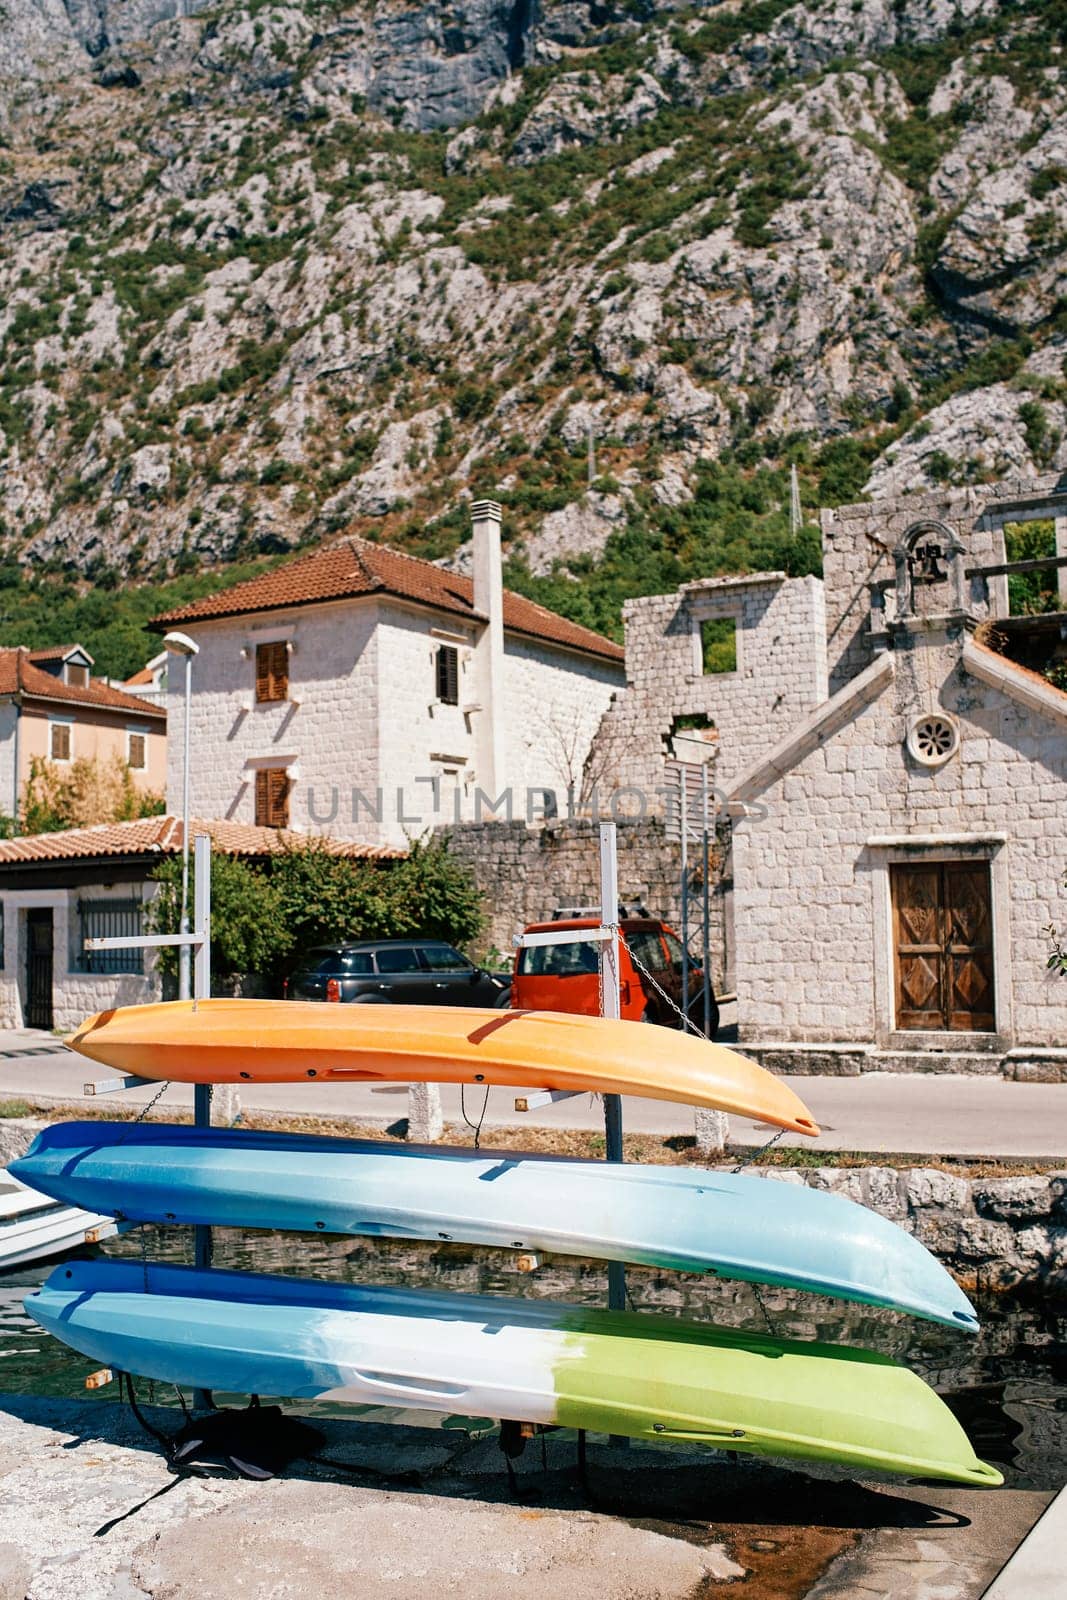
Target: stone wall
[
  {"x": 992, "y": 1233},
  {"x": 780, "y": 676},
  {"x": 526, "y": 872}
]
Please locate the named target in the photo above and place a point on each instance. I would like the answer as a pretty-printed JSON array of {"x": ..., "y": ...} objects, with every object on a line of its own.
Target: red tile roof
[
  {"x": 58, "y": 652},
  {"x": 152, "y": 836},
  {"x": 144, "y": 676},
  {"x": 18, "y": 675},
  {"x": 354, "y": 567}
]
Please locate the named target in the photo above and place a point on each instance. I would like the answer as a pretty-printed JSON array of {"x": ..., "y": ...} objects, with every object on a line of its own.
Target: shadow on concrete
[{"x": 636, "y": 1483}]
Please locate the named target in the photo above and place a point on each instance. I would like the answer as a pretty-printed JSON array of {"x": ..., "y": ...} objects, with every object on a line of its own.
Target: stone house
[
  {"x": 372, "y": 696},
  {"x": 52, "y": 709},
  {"x": 898, "y": 853},
  {"x": 59, "y": 889}
]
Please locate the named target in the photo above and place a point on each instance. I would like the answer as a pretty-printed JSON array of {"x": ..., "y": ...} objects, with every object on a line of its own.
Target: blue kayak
[
  {"x": 650, "y": 1377},
  {"x": 677, "y": 1218}
]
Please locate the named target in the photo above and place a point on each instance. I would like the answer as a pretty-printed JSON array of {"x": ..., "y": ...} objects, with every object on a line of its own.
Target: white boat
[{"x": 34, "y": 1227}]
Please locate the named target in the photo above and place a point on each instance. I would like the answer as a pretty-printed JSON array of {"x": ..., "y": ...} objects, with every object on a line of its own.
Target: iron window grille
[{"x": 110, "y": 919}]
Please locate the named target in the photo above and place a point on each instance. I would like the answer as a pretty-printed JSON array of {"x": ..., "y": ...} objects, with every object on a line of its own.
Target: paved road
[{"x": 880, "y": 1111}]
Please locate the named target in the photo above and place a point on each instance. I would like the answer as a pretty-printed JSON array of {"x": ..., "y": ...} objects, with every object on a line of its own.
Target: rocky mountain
[{"x": 268, "y": 271}]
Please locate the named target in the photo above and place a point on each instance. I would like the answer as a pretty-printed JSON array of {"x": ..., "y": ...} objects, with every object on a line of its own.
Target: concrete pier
[{"x": 90, "y": 1510}]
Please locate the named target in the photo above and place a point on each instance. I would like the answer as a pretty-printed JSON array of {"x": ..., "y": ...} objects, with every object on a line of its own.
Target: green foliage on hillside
[
  {"x": 737, "y": 522},
  {"x": 725, "y": 167},
  {"x": 106, "y": 615}
]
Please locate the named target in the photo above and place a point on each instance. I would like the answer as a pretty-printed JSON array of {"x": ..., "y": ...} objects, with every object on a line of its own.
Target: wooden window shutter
[
  {"x": 138, "y": 753},
  {"x": 272, "y": 671},
  {"x": 272, "y": 797},
  {"x": 60, "y": 741},
  {"x": 448, "y": 674}
]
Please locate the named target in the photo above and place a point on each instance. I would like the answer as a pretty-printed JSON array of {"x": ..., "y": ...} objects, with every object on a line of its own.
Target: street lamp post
[{"x": 180, "y": 644}]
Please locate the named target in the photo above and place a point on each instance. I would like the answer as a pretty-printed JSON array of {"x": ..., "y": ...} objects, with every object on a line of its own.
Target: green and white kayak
[{"x": 648, "y": 1377}]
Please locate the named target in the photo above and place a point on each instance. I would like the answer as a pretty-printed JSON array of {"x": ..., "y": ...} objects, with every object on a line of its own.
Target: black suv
[{"x": 382, "y": 972}]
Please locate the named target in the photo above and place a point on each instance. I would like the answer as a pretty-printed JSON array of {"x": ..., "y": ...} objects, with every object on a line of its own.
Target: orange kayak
[{"x": 289, "y": 1041}]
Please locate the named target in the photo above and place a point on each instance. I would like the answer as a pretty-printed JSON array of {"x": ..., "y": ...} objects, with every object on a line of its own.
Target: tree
[
  {"x": 89, "y": 791},
  {"x": 247, "y": 934},
  {"x": 263, "y": 919},
  {"x": 323, "y": 896},
  {"x": 435, "y": 894}
]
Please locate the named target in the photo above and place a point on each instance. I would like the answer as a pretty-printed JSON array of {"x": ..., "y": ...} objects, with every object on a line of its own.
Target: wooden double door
[{"x": 943, "y": 934}]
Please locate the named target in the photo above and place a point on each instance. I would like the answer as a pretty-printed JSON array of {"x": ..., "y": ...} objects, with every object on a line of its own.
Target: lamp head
[{"x": 180, "y": 644}]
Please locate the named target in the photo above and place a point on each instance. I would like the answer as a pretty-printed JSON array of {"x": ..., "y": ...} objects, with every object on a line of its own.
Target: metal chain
[
  {"x": 751, "y": 1160},
  {"x": 148, "y": 1105},
  {"x": 145, "y": 1109}
]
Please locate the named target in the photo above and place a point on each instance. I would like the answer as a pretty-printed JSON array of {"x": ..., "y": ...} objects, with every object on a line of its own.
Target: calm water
[{"x": 1008, "y": 1385}]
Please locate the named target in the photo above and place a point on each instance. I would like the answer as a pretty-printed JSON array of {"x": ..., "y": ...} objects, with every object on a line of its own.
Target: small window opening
[
  {"x": 718, "y": 644},
  {"x": 77, "y": 676},
  {"x": 1030, "y": 593},
  {"x": 137, "y": 751},
  {"x": 272, "y": 797},
  {"x": 59, "y": 741}
]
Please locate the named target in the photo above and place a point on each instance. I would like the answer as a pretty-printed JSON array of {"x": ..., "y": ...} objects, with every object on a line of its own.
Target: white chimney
[
  {"x": 488, "y": 566},
  {"x": 489, "y": 652}
]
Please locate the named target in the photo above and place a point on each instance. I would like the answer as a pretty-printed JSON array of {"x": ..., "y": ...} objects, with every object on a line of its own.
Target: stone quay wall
[{"x": 994, "y": 1234}]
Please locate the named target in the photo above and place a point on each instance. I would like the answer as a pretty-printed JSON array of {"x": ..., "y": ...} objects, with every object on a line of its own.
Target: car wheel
[{"x": 503, "y": 1000}]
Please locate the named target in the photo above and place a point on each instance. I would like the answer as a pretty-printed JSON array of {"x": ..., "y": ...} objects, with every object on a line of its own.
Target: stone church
[{"x": 891, "y": 749}]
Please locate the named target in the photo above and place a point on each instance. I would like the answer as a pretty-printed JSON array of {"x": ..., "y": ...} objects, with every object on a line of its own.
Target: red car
[{"x": 565, "y": 977}]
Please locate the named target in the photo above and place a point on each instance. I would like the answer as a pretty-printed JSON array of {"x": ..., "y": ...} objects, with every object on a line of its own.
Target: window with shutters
[
  {"x": 77, "y": 675},
  {"x": 272, "y": 671},
  {"x": 60, "y": 741},
  {"x": 448, "y": 674},
  {"x": 272, "y": 797},
  {"x": 136, "y": 750}
]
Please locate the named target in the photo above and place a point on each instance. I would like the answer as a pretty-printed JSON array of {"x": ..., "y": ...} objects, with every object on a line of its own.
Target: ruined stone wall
[{"x": 779, "y": 678}]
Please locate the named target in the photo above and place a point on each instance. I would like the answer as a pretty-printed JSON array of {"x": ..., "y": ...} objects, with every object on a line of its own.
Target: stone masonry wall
[
  {"x": 75, "y": 994},
  {"x": 527, "y": 872},
  {"x": 812, "y": 889},
  {"x": 995, "y": 1234},
  {"x": 780, "y": 677},
  {"x": 553, "y": 703}
]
